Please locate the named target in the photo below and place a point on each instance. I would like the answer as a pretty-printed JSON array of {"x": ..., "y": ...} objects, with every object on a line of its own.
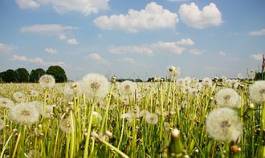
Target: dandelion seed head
[
  {"x": 46, "y": 111},
  {"x": 257, "y": 92},
  {"x": 227, "y": 97},
  {"x": 19, "y": 97},
  {"x": 6, "y": 103},
  {"x": 175, "y": 133},
  {"x": 129, "y": 116},
  {"x": 24, "y": 113},
  {"x": 95, "y": 85},
  {"x": 167, "y": 126},
  {"x": 174, "y": 71},
  {"x": 33, "y": 154},
  {"x": 47, "y": 81},
  {"x": 151, "y": 118},
  {"x": 34, "y": 93},
  {"x": 127, "y": 88},
  {"x": 66, "y": 125},
  {"x": 207, "y": 82},
  {"x": 223, "y": 124},
  {"x": 143, "y": 113}
]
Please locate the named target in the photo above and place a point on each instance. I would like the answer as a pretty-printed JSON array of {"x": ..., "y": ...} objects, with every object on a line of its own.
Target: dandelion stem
[
  {"x": 4, "y": 148},
  {"x": 113, "y": 147},
  {"x": 88, "y": 131},
  {"x": 16, "y": 146}
]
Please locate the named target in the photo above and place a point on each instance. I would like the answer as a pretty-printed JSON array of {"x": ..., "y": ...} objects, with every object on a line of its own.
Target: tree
[
  {"x": 36, "y": 74},
  {"x": 259, "y": 76},
  {"x": 22, "y": 74},
  {"x": 58, "y": 73},
  {"x": 1, "y": 77},
  {"x": 9, "y": 76}
]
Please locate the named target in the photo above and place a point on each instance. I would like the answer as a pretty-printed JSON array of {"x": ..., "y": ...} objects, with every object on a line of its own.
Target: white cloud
[
  {"x": 196, "y": 51},
  {"x": 128, "y": 60},
  {"x": 178, "y": 0},
  {"x": 131, "y": 49},
  {"x": 27, "y": 4},
  {"x": 258, "y": 33},
  {"x": 72, "y": 41},
  {"x": 257, "y": 56},
  {"x": 185, "y": 42},
  {"x": 222, "y": 53},
  {"x": 50, "y": 29},
  {"x": 192, "y": 16},
  {"x": 37, "y": 60},
  {"x": 85, "y": 7},
  {"x": 153, "y": 17},
  {"x": 168, "y": 47},
  {"x": 5, "y": 48},
  {"x": 50, "y": 50},
  {"x": 95, "y": 56},
  {"x": 176, "y": 47},
  {"x": 62, "y": 32}
]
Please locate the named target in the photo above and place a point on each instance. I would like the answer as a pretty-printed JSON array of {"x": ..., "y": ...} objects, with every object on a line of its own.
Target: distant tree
[
  {"x": 150, "y": 79},
  {"x": 36, "y": 74},
  {"x": 58, "y": 73},
  {"x": 259, "y": 76},
  {"x": 22, "y": 74},
  {"x": 1, "y": 77},
  {"x": 138, "y": 80},
  {"x": 9, "y": 76}
]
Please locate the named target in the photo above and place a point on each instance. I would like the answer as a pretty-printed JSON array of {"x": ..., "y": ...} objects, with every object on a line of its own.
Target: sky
[{"x": 133, "y": 38}]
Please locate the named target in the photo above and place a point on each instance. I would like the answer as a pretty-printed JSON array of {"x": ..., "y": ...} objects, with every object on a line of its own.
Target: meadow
[{"x": 97, "y": 117}]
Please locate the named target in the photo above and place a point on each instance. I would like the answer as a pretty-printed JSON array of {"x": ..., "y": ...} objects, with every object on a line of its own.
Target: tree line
[{"x": 22, "y": 75}]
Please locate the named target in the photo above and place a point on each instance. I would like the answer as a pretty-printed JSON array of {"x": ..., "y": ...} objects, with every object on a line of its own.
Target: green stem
[
  {"x": 16, "y": 146},
  {"x": 88, "y": 131},
  {"x": 113, "y": 148},
  {"x": 4, "y": 148}
]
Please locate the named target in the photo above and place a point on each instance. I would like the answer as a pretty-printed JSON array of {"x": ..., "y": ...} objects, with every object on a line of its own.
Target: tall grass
[{"x": 116, "y": 136}]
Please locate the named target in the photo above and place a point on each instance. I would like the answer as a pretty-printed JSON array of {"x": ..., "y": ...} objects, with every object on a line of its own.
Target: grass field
[{"x": 97, "y": 118}]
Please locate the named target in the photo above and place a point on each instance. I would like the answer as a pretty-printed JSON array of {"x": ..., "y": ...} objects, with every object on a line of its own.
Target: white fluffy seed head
[
  {"x": 47, "y": 81},
  {"x": 19, "y": 97},
  {"x": 175, "y": 133},
  {"x": 66, "y": 125},
  {"x": 46, "y": 111},
  {"x": 127, "y": 88},
  {"x": 227, "y": 97},
  {"x": 207, "y": 82},
  {"x": 151, "y": 118},
  {"x": 6, "y": 103},
  {"x": 95, "y": 85},
  {"x": 257, "y": 92},
  {"x": 223, "y": 124},
  {"x": 174, "y": 71},
  {"x": 24, "y": 113},
  {"x": 34, "y": 93}
]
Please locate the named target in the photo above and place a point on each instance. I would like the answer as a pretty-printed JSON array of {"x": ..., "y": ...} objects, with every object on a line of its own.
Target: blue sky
[{"x": 133, "y": 38}]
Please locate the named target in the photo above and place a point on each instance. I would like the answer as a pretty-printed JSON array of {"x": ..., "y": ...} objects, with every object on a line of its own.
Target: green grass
[{"x": 130, "y": 138}]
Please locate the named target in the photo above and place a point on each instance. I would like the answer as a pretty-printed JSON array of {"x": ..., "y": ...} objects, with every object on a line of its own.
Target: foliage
[
  {"x": 9, "y": 76},
  {"x": 22, "y": 74},
  {"x": 36, "y": 74},
  {"x": 58, "y": 73}
]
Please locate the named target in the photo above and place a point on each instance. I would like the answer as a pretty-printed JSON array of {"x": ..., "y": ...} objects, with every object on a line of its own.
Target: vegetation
[
  {"x": 96, "y": 118},
  {"x": 21, "y": 75}
]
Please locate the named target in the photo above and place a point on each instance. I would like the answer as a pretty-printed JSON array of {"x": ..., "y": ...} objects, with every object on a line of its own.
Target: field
[{"x": 100, "y": 118}]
